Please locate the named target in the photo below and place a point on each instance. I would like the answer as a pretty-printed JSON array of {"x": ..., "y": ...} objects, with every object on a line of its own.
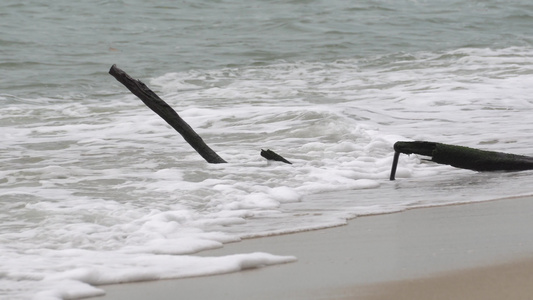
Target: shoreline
[{"x": 348, "y": 262}]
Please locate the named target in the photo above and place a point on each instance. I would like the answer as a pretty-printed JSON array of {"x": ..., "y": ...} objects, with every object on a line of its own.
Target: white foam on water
[{"x": 101, "y": 191}]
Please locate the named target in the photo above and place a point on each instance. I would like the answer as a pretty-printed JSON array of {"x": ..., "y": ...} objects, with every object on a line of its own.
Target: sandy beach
[{"x": 469, "y": 251}]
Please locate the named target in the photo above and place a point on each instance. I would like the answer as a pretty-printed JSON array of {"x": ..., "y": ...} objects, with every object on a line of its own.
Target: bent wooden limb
[
  {"x": 168, "y": 114},
  {"x": 463, "y": 157}
]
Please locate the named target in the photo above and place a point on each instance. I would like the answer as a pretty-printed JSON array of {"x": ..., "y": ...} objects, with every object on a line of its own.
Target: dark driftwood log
[
  {"x": 271, "y": 155},
  {"x": 463, "y": 157},
  {"x": 168, "y": 114}
]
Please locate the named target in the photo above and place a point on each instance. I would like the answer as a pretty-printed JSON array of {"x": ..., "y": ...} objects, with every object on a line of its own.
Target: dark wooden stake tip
[{"x": 271, "y": 155}]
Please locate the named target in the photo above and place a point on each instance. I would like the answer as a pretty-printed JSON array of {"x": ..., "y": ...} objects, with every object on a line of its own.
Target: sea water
[{"x": 97, "y": 189}]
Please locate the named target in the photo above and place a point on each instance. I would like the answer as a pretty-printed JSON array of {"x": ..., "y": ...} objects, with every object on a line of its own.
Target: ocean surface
[{"x": 96, "y": 189}]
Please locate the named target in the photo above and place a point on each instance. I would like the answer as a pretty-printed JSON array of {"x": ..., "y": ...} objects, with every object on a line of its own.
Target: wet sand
[
  {"x": 511, "y": 280},
  {"x": 416, "y": 254}
]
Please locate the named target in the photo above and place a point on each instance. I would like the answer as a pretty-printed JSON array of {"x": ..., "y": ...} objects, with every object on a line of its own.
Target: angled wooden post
[{"x": 168, "y": 114}]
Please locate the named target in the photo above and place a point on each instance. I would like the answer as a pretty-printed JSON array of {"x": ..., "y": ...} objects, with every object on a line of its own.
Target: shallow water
[{"x": 95, "y": 188}]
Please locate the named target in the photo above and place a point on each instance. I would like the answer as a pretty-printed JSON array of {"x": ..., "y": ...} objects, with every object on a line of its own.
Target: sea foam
[{"x": 98, "y": 192}]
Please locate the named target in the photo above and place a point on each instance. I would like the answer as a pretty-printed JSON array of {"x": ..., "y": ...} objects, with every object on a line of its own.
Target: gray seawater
[
  {"x": 96, "y": 189},
  {"x": 63, "y": 49}
]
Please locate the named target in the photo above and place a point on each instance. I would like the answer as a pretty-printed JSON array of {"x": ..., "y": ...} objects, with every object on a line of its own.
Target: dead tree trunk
[
  {"x": 168, "y": 114},
  {"x": 463, "y": 157}
]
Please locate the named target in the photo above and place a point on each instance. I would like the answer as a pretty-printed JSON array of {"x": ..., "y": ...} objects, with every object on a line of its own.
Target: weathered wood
[
  {"x": 394, "y": 165},
  {"x": 271, "y": 155},
  {"x": 463, "y": 157},
  {"x": 168, "y": 114}
]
